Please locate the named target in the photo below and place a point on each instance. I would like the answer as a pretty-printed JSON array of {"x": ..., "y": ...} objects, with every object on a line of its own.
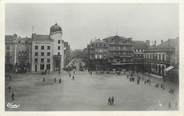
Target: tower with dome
[{"x": 58, "y": 47}]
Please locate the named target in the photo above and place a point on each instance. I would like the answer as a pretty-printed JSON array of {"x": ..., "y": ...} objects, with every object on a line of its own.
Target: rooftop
[{"x": 38, "y": 37}]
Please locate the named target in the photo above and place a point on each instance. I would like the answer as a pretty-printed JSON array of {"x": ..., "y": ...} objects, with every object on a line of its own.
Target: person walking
[
  {"x": 109, "y": 101},
  {"x": 13, "y": 96},
  {"x": 73, "y": 77},
  {"x": 55, "y": 80},
  {"x": 43, "y": 79},
  {"x": 112, "y": 100},
  {"x": 60, "y": 80}
]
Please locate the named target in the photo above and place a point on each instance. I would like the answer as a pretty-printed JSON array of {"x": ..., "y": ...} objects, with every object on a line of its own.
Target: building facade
[
  {"x": 119, "y": 53},
  {"x": 67, "y": 53},
  {"x": 111, "y": 53},
  {"x": 163, "y": 59},
  {"x": 23, "y": 62},
  {"x": 42, "y": 53},
  {"x": 139, "y": 48},
  {"x": 10, "y": 52},
  {"x": 98, "y": 55},
  {"x": 48, "y": 51}
]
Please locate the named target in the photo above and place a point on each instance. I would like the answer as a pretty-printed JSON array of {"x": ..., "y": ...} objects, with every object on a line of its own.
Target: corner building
[{"x": 48, "y": 51}]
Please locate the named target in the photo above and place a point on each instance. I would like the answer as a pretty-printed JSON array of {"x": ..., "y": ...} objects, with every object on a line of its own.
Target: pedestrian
[
  {"x": 9, "y": 88},
  {"x": 112, "y": 100},
  {"x": 13, "y": 96},
  {"x": 55, "y": 80},
  {"x": 73, "y": 77},
  {"x": 109, "y": 101},
  {"x": 43, "y": 79},
  {"x": 169, "y": 105},
  {"x": 60, "y": 80}
]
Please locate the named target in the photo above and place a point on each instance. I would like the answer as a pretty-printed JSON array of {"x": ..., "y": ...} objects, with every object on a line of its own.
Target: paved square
[{"x": 86, "y": 92}]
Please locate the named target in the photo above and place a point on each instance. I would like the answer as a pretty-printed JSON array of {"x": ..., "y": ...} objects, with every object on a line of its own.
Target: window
[
  {"x": 48, "y": 47},
  {"x": 58, "y": 47},
  {"x": 96, "y": 56},
  {"x": 42, "y": 47},
  {"x": 36, "y": 47},
  {"x": 48, "y": 60},
  {"x": 48, "y": 66},
  {"x": 48, "y": 53},
  {"x": 163, "y": 57},
  {"x": 58, "y": 53},
  {"x": 42, "y": 53},
  {"x": 59, "y": 41},
  {"x": 36, "y": 53},
  {"x": 42, "y": 60},
  {"x": 41, "y": 66},
  {"x": 100, "y": 56},
  {"x": 36, "y": 60}
]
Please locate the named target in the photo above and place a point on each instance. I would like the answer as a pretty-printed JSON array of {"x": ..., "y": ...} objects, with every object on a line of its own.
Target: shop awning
[{"x": 169, "y": 68}]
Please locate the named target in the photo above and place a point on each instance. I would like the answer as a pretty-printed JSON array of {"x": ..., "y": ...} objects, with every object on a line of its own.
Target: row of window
[
  {"x": 43, "y": 47},
  {"x": 121, "y": 53},
  {"x": 41, "y": 60},
  {"x": 42, "y": 67},
  {"x": 42, "y": 54},
  {"x": 122, "y": 60},
  {"x": 139, "y": 50},
  {"x": 161, "y": 57},
  {"x": 120, "y": 48}
]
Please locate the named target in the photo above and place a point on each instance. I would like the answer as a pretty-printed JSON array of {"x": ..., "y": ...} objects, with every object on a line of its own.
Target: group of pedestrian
[
  {"x": 55, "y": 80},
  {"x": 148, "y": 81},
  {"x": 72, "y": 76},
  {"x": 110, "y": 100}
]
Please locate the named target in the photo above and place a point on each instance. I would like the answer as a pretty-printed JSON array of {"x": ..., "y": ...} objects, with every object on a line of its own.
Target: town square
[{"x": 91, "y": 57}]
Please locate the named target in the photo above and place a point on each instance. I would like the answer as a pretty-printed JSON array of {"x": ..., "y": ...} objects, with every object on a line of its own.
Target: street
[{"x": 86, "y": 93}]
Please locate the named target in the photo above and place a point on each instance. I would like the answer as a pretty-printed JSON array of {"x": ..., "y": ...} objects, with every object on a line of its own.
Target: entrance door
[{"x": 35, "y": 68}]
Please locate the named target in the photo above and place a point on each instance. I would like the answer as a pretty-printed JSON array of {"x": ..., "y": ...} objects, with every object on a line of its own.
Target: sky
[{"x": 82, "y": 23}]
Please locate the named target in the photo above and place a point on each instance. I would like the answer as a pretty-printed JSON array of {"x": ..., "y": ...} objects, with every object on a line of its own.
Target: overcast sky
[{"x": 84, "y": 22}]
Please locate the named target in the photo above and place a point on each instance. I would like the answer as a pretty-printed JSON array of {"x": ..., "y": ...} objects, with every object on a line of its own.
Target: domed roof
[{"x": 55, "y": 28}]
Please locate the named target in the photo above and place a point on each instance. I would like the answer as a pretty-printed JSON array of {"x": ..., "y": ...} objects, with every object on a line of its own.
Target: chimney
[
  {"x": 148, "y": 43},
  {"x": 162, "y": 41},
  {"x": 155, "y": 43},
  {"x": 33, "y": 35}
]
